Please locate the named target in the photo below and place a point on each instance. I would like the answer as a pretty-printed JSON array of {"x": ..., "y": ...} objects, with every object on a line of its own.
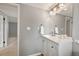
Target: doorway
[{"x": 8, "y": 43}]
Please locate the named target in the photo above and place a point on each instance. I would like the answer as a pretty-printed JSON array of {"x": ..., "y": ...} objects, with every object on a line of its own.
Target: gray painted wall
[
  {"x": 12, "y": 29},
  {"x": 30, "y": 41},
  {"x": 12, "y": 21},
  {"x": 76, "y": 29}
]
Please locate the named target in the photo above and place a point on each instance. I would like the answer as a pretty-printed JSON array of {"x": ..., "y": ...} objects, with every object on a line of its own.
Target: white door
[{"x": 1, "y": 31}]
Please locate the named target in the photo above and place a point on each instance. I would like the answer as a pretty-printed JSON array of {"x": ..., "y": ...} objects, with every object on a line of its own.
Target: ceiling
[
  {"x": 43, "y": 6},
  {"x": 47, "y": 6}
]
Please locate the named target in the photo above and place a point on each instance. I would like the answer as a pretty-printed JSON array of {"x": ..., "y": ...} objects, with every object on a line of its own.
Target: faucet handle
[{"x": 51, "y": 33}]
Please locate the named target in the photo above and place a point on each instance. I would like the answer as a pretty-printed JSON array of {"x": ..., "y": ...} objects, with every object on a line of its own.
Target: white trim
[
  {"x": 65, "y": 24},
  {"x": 36, "y": 54},
  {"x": 6, "y": 30},
  {"x": 18, "y": 28}
]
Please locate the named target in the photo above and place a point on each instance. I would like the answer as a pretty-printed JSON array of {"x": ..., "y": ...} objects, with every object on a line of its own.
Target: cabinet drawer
[{"x": 53, "y": 44}]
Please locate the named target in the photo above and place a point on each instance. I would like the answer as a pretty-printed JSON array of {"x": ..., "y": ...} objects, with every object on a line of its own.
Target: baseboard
[
  {"x": 36, "y": 54},
  {"x": 12, "y": 37}
]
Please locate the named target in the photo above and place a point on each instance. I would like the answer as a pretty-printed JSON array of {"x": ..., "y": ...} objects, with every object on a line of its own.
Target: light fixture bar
[{"x": 57, "y": 8}]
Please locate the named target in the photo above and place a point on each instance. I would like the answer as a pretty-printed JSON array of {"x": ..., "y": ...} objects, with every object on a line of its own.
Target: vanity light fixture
[{"x": 58, "y": 8}]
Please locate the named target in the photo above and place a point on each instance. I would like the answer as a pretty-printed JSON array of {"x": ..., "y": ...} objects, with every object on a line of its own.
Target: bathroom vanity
[{"x": 59, "y": 45}]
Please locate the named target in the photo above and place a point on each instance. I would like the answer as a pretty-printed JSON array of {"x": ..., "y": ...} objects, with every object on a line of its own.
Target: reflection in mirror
[{"x": 66, "y": 15}]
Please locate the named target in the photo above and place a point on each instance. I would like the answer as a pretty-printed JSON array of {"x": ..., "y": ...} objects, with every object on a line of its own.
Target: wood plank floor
[{"x": 10, "y": 50}]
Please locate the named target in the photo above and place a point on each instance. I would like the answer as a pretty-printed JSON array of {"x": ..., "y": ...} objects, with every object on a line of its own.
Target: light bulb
[
  {"x": 52, "y": 13},
  {"x": 54, "y": 9}
]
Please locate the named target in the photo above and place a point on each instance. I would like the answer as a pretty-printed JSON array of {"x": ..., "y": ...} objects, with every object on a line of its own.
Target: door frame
[
  {"x": 18, "y": 26},
  {"x": 1, "y": 31},
  {"x": 70, "y": 29}
]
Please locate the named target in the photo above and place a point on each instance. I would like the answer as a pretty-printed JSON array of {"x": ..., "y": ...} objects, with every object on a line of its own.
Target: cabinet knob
[{"x": 52, "y": 47}]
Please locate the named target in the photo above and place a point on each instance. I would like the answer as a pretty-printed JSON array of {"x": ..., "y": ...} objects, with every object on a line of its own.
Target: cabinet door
[
  {"x": 44, "y": 48},
  {"x": 52, "y": 48}
]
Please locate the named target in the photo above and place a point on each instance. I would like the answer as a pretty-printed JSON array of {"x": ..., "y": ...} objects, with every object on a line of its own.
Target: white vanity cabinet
[{"x": 51, "y": 47}]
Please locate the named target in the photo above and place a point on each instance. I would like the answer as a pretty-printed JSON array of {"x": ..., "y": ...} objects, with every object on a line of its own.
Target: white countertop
[{"x": 58, "y": 38}]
